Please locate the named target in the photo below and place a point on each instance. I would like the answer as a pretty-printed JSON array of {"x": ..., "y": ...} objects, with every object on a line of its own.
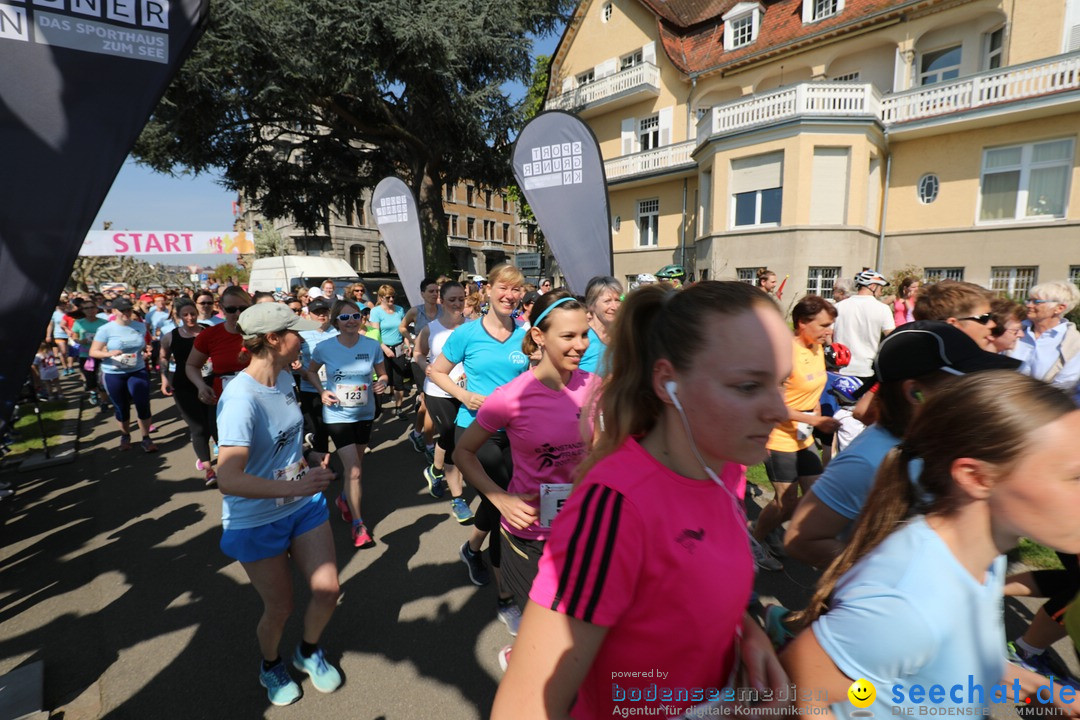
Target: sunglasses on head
[
  {"x": 981, "y": 319},
  {"x": 349, "y": 316},
  {"x": 230, "y": 309}
]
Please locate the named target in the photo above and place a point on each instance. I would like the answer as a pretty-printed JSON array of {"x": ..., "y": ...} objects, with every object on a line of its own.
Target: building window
[
  {"x": 820, "y": 9},
  {"x": 819, "y": 280},
  {"x": 506, "y": 232},
  {"x": 1025, "y": 181},
  {"x": 586, "y": 77},
  {"x": 356, "y": 258},
  {"x": 756, "y": 190},
  {"x": 995, "y": 46},
  {"x": 628, "y": 61},
  {"x": 741, "y": 24},
  {"x": 1074, "y": 275},
  {"x": 605, "y": 13},
  {"x": 747, "y": 275},
  {"x": 450, "y": 193},
  {"x": 649, "y": 133},
  {"x": 939, "y": 65},
  {"x": 470, "y": 227},
  {"x": 758, "y": 207},
  {"x": 847, "y": 77},
  {"x": 934, "y": 274},
  {"x": 1014, "y": 282},
  {"x": 742, "y": 31},
  {"x": 451, "y": 224},
  {"x": 648, "y": 222},
  {"x": 928, "y": 188},
  {"x": 469, "y": 191},
  {"x": 505, "y": 206}
]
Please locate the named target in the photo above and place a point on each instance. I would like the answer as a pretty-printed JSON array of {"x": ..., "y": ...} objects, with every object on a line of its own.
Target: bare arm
[
  {"x": 420, "y": 350},
  {"x": 232, "y": 480},
  {"x": 517, "y": 511},
  {"x": 193, "y": 368},
  {"x": 808, "y": 665},
  {"x": 440, "y": 375},
  {"x": 812, "y": 535},
  {"x": 403, "y": 328},
  {"x": 98, "y": 351}
]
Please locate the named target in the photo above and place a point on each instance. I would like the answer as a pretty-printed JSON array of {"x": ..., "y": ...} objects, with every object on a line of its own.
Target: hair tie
[{"x": 551, "y": 307}]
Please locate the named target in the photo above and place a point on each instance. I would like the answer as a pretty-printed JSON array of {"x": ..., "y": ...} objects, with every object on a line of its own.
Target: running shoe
[
  {"x": 211, "y": 478},
  {"x": 478, "y": 573},
  {"x": 508, "y": 612},
  {"x": 324, "y": 676},
  {"x": 148, "y": 445},
  {"x": 309, "y": 439},
  {"x": 280, "y": 688},
  {"x": 417, "y": 440},
  {"x": 774, "y": 541},
  {"x": 125, "y": 442},
  {"x": 774, "y": 626},
  {"x": 343, "y": 508},
  {"x": 94, "y": 399},
  {"x": 460, "y": 510},
  {"x": 436, "y": 485},
  {"x": 1044, "y": 663},
  {"x": 763, "y": 559},
  {"x": 504, "y": 657},
  {"x": 361, "y": 538}
]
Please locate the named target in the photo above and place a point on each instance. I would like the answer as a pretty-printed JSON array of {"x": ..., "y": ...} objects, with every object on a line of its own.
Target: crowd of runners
[{"x": 597, "y": 447}]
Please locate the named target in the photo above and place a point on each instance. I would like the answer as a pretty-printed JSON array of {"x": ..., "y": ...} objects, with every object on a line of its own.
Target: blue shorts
[{"x": 273, "y": 539}]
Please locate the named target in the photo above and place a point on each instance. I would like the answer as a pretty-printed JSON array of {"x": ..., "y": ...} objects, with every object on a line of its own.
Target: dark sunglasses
[
  {"x": 349, "y": 316},
  {"x": 205, "y": 303},
  {"x": 981, "y": 319},
  {"x": 230, "y": 309}
]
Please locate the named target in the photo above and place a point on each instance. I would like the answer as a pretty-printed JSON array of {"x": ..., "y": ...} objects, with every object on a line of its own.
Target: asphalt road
[{"x": 110, "y": 573}]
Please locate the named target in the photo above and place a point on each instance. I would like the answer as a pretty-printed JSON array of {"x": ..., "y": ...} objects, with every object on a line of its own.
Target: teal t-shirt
[
  {"x": 87, "y": 330},
  {"x": 593, "y": 359},
  {"x": 388, "y": 323},
  {"x": 488, "y": 362}
]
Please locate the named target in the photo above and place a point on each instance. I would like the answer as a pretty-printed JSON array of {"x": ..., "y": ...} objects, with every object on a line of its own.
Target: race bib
[
  {"x": 352, "y": 395},
  {"x": 172, "y": 366},
  {"x": 291, "y": 473},
  {"x": 207, "y": 369},
  {"x": 322, "y": 375},
  {"x": 127, "y": 360},
  {"x": 552, "y": 497}
]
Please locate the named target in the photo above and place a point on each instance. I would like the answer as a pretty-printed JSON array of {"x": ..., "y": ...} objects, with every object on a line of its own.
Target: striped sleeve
[{"x": 593, "y": 557}]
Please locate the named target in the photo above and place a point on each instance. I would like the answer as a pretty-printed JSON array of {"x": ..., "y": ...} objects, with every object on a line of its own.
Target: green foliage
[
  {"x": 269, "y": 243},
  {"x": 305, "y": 103},
  {"x": 228, "y": 270},
  {"x": 898, "y": 275}
]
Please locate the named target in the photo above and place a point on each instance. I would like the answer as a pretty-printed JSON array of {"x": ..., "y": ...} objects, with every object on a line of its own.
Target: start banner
[{"x": 166, "y": 242}]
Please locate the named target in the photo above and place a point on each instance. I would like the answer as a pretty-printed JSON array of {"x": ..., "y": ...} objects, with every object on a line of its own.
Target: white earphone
[{"x": 672, "y": 387}]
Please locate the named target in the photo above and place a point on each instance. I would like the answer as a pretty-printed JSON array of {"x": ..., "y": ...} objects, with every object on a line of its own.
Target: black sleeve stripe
[
  {"x": 571, "y": 551},
  {"x": 605, "y": 559},
  {"x": 606, "y": 496}
]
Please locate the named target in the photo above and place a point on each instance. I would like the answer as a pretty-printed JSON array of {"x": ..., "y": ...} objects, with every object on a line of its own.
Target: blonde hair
[
  {"x": 385, "y": 290},
  {"x": 507, "y": 274},
  {"x": 1058, "y": 291}
]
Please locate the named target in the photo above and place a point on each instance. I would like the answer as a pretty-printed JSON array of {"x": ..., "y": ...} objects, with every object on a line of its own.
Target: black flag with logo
[{"x": 78, "y": 81}]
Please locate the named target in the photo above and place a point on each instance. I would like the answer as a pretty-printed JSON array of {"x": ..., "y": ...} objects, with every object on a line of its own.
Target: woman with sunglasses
[
  {"x": 1049, "y": 348},
  {"x": 387, "y": 317},
  {"x": 603, "y": 296},
  {"x": 223, "y": 346},
  {"x": 204, "y": 301},
  {"x": 310, "y": 400},
  {"x": 121, "y": 345},
  {"x": 175, "y": 348},
  {"x": 348, "y": 398}
]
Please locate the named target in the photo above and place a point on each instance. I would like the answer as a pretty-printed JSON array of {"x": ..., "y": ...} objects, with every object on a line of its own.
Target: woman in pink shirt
[
  {"x": 540, "y": 411},
  {"x": 640, "y": 598},
  {"x": 905, "y": 301}
]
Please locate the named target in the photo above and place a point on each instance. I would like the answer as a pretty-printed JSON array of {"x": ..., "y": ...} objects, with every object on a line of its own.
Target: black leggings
[
  {"x": 443, "y": 411},
  {"x": 1060, "y": 586},
  {"x": 494, "y": 456},
  {"x": 200, "y": 418},
  {"x": 311, "y": 405},
  {"x": 89, "y": 376},
  {"x": 396, "y": 367}
]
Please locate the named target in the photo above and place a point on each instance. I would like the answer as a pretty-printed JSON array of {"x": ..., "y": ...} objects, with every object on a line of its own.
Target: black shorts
[
  {"x": 786, "y": 467},
  {"x": 443, "y": 412},
  {"x": 417, "y": 377},
  {"x": 354, "y": 433},
  {"x": 520, "y": 563}
]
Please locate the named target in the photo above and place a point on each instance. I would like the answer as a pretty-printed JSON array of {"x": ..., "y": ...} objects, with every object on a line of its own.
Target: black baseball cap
[
  {"x": 122, "y": 304},
  {"x": 318, "y": 304},
  {"x": 924, "y": 346}
]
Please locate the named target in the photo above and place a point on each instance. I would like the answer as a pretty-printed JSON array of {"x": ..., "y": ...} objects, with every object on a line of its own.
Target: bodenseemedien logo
[{"x": 862, "y": 694}]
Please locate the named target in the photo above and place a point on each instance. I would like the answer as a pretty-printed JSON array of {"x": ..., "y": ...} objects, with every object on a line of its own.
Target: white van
[{"x": 280, "y": 274}]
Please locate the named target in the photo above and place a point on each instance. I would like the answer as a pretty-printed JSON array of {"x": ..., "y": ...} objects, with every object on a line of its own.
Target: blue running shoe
[
  {"x": 324, "y": 676},
  {"x": 280, "y": 688},
  {"x": 1043, "y": 663},
  {"x": 460, "y": 510},
  {"x": 436, "y": 485},
  {"x": 478, "y": 572},
  {"x": 417, "y": 441}
]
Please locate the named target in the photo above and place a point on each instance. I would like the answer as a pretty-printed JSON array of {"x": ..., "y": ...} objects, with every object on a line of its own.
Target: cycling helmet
[
  {"x": 671, "y": 272},
  {"x": 836, "y": 356},
  {"x": 870, "y": 277}
]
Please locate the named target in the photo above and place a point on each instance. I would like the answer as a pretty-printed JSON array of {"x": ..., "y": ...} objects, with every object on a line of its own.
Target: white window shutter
[
  {"x": 648, "y": 53},
  {"x": 665, "y": 126},
  {"x": 567, "y": 84},
  {"x": 608, "y": 67},
  {"x": 627, "y": 136}
]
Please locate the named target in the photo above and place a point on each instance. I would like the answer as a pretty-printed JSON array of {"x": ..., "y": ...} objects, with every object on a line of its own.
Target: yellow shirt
[{"x": 802, "y": 392}]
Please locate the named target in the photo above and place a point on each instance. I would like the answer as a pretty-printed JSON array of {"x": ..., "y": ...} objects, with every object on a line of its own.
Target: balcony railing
[
  {"x": 821, "y": 99},
  {"x": 647, "y": 162},
  {"x": 643, "y": 76}
]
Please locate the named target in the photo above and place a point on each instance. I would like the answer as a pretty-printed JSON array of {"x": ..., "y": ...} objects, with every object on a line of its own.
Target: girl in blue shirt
[
  {"x": 348, "y": 398},
  {"x": 386, "y": 317}
]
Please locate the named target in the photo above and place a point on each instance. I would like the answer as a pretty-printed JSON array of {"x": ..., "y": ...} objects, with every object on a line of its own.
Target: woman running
[
  {"x": 915, "y": 599},
  {"x": 273, "y": 507},
  {"x": 793, "y": 462},
  {"x": 348, "y": 398},
  {"x": 603, "y": 295},
  {"x": 422, "y": 434},
  {"x": 223, "y": 346},
  {"x": 121, "y": 345},
  {"x": 198, "y": 416},
  {"x": 387, "y": 317},
  {"x": 205, "y": 302},
  {"x": 83, "y": 331},
  {"x": 57, "y": 333},
  {"x": 648, "y": 564},
  {"x": 540, "y": 412},
  {"x": 310, "y": 398},
  {"x": 490, "y": 351},
  {"x": 441, "y": 405}
]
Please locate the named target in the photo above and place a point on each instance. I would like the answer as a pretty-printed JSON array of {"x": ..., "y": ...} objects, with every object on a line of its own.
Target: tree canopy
[{"x": 304, "y": 103}]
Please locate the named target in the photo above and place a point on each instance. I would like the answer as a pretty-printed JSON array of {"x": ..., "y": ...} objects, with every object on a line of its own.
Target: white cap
[{"x": 314, "y": 292}]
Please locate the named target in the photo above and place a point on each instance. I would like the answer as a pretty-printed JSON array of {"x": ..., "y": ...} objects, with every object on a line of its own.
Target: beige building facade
[{"x": 819, "y": 137}]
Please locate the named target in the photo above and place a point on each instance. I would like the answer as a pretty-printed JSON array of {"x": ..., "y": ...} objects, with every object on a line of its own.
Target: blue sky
[{"x": 141, "y": 199}]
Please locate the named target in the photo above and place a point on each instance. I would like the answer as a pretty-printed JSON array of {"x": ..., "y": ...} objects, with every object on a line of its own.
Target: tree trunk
[{"x": 428, "y": 188}]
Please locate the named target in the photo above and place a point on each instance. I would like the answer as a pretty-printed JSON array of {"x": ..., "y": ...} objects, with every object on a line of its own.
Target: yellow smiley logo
[{"x": 861, "y": 693}]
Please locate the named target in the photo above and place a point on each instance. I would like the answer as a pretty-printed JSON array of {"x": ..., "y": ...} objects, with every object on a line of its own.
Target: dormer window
[
  {"x": 814, "y": 10},
  {"x": 741, "y": 24}
]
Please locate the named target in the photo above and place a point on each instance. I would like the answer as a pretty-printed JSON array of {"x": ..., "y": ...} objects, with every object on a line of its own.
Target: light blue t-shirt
[
  {"x": 910, "y": 614},
  {"x": 59, "y": 329},
  {"x": 593, "y": 359},
  {"x": 160, "y": 322},
  {"x": 214, "y": 320},
  {"x": 846, "y": 482},
  {"x": 388, "y": 323},
  {"x": 488, "y": 362},
  {"x": 130, "y": 339},
  {"x": 348, "y": 375},
  {"x": 267, "y": 421},
  {"x": 308, "y": 340}
]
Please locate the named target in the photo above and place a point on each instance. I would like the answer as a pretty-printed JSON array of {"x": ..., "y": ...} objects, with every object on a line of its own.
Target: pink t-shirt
[
  {"x": 544, "y": 427},
  {"x": 663, "y": 562}
]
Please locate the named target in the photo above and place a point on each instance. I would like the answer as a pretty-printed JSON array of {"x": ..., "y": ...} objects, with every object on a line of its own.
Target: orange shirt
[{"x": 802, "y": 392}]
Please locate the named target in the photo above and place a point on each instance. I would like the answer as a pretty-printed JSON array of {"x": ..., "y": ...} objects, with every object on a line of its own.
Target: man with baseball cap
[{"x": 861, "y": 321}]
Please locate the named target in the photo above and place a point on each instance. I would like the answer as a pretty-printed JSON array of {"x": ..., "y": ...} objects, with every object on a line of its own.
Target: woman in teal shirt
[{"x": 386, "y": 317}]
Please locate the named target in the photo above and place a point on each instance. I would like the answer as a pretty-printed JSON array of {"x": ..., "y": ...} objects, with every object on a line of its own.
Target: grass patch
[
  {"x": 1035, "y": 556},
  {"x": 756, "y": 475},
  {"x": 52, "y": 413}
]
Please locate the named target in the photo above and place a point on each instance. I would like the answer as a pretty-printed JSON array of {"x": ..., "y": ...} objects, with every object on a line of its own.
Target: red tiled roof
[{"x": 684, "y": 13}]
